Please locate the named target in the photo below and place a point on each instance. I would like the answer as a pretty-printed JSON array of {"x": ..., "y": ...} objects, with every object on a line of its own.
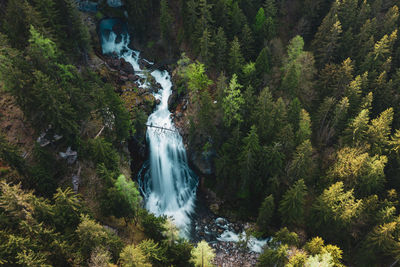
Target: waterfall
[{"x": 166, "y": 181}]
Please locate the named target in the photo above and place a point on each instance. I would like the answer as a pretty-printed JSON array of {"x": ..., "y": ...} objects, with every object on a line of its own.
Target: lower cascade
[{"x": 166, "y": 181}]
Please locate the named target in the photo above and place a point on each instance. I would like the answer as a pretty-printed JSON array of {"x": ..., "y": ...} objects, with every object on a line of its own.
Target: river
[{"x": 166, "y": 181}]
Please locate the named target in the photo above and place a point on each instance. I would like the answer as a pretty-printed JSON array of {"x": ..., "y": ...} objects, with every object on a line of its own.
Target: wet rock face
[
  {"x": 126, "y": 66},
  {"x": 144, "y": 64},
  {"x": 172, "y": 101},
  {"x": 203, "y": 161}
]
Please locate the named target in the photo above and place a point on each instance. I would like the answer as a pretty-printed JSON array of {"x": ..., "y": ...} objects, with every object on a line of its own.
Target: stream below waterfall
[{"x": 167, "y": 183}]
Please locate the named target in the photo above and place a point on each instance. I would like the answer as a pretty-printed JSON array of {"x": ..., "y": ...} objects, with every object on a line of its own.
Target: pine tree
[
  {"x": 294, "y": 111},
  {"x": 263, "y": 115},
  {"x": 263, "y": 64},
  {"x": 221, "y": 14},
  {"x": 91, "y": 235},
  {"x": 304, "y": 131},
  {"x": 237, "y": 19},
  {"x": 165, "y": 22},
  {"x": 235, "y": 59},
  {"x": 19, "y": 17},
  {"x": 292, "y": 204},
  {"x": 360, "y": 171},
  {"x": 247, "y": 42},
  {"x": 265, "y": 212},
  {"x": 249, "y": 163},
  {"x": 220, "y": 49},
  {"x": 379, "y": 130},
  {"x": 270, "y": 8},
  {"x": 337, "y": 207},
  {"x": 206, "y": 47},
  {"x": 327, "y": 39},
  {"x": 259, "y": 26},
  {"x": 356, "y": 132},
  {"x": 249, "y": 102},
  {"x": 340, "y": 115},
  {"x": 302, "y": 165},
  {"x": 73, "y": 32},
  {"x": 205, "y": 18},
  {"x": 202, "y": 255},
  {"x": 138, "y": 12},
  {"x": 190, "y": 17},
  {"x": 133, "y": 256},
  {"x": 232, "y": 103}
]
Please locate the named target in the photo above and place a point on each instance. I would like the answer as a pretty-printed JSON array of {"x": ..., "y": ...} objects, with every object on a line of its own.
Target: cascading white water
[{"x": 168, "y": 184}]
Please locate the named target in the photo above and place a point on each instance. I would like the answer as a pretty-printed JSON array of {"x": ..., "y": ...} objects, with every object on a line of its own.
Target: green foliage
[
  {"x": 293, "y": 203},
  {"x": 67, "y": 210},
  {"x": 197, "y": 79},
  {"x": 359, "y": 170},
  {"x": 265, "y": 212},
  {"x": 304, "y": 131},
  {"x": 337, "y": 206},
  {"x": 232, "y": 102},
  {"x": 165, "y": 21},
  {"x": 302, "y": 165},
  {"x": 19, "y": 17},
  {"x": 102, "y": 152},
  {"x": 220, "y": 49},
  {"x": 249, "y": 163},
  {"x": 92, "y": 235},
  {"x": 273, "y": 257},
  {"x": 203, "y": 255},
  {"x": 130, "y": 194},
  {"x": 154, "y": 226},
  {"x": 235, "y": 57},
  {"x": 133, "y": 256}
]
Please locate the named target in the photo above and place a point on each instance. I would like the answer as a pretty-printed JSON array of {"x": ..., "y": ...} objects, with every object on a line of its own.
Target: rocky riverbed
[{"x": 232, "y": 245}]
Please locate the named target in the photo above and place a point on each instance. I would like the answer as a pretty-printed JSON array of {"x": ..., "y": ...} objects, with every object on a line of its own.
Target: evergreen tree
[
  {"x": 304, "y": 131},
  {"x": 247, "y": 42},
  {"x": 235, "y": 59},
  {"x": 292, "y": 204},
  {"x": 265, "y": 212},
  {"x": 359, "y": 170},
  {"x": 206, "y": 47},
  {"x": 202, "y": 255},
  {"x": 138, "y": 12},
  {"x": 263, "y": 64},
  {"x": 220, "y": 49},
  {"x": 205, "y": 18},
  {"x": 232, "y": 103},
  {"x": 294, "y": 112},
  {"x": 73, "y": 33},
  {"x": 249, "y": 166},
  {"x": 19, "y": 17},
  {"x": 236, "y": 18},
  {"x": 302, "y": 165},
  {"x": 356, "y": 132},
  {"x": 133, "y": 256},
  {"x": 165, "y": 22},
  {"x": 327, "y": 38},
  {"x": 260, "y": 26},
  {"x": 379, "y": 130},
  {"x": 263, "y": 115},
  {"x": 337, "y": 206}
]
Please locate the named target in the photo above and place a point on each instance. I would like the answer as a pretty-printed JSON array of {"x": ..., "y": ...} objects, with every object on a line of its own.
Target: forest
[{"x": 293, "y": 106}]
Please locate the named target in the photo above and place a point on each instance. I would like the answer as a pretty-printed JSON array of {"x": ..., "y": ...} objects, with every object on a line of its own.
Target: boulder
[
  {"x": 126, "y": 67},
  {"x": 114, "y": 63},
  {"x": 172, "y": 100},
  {"x": 133, "y": 77}
]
